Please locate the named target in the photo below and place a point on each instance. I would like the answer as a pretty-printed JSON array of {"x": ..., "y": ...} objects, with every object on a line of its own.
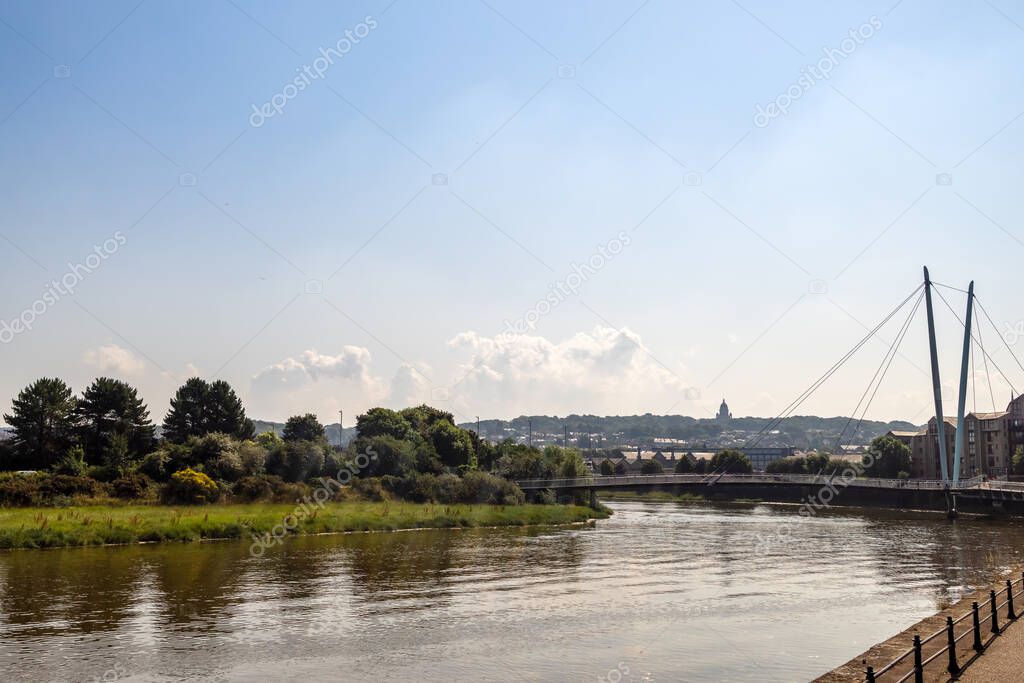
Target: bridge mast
[
  {"x": 940, "y": 420},
  {"x": 958, "y": 451}
]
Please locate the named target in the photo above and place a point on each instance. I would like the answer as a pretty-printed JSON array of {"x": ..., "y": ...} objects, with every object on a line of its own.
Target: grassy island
[{"x": 258, "y": 523}]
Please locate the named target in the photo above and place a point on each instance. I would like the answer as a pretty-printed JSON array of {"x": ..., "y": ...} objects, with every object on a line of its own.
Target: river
[{"x": 659, "y": 592}]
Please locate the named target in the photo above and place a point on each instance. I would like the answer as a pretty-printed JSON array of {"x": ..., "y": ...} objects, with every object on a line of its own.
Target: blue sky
[{"x": 367, "y": 244}]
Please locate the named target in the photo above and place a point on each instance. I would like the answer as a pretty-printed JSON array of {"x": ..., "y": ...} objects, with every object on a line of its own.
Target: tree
[
  {"x": 701, "y": 466},
  {"x": 889, "y": 457},
  {"x": 394, "y": 457},
  {"x": 199, "y": 408},
  {"x": 684, "y": 466},
  {"x": 296, "y": 461},
  {"x": 731, "y": 461},
  {"x": 453, "y": 445},
  {"x": 303, "y": 428},
  {"x": 109, "y": 412},
  {"x": 621, "y": 468},
  {"x": 43, "y": 419},
  {"x": 187, "y": 416},
  {"x": 423, "y": 417},
  {"x": 651, "y": 466},
  {"x": 1017, "y": 464},
  {"x": 606, "y": 468},
  {"x": 383, "y": 422},
  {"x": 225, "y": 412}
]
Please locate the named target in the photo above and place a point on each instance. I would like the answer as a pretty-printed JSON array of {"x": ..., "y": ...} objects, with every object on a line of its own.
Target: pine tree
[
  {"x": 43, "y": 419},
  {"x": 199, "y": 408},
  {"x": 109, "y": 410},
  {"x": 187, "y": 416}
]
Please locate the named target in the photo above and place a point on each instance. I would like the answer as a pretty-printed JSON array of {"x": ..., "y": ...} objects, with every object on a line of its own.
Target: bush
[
  {"x": 68, "y": 486},
  {"x": 226, "y": 467},
  {"x": 18, "y": 489},
  {"x": 155, "y": 465},
  {"x": 480, "y": 487},
  {"x": 190, "y": 487},
  {"x": 731, "y": 461},
  {"x": 296, "y": 461},
  {"x": 72, "y": 464},
  {"x": 254, "y": 488},
  {"x": 651, "y": 467},
  {"x": 425, "y": 488},
  {"x": 369, "y": 488},
  {"x": 131, "y": 486}
]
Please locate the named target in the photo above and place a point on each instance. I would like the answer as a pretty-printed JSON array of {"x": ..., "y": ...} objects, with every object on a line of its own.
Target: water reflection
[{"x": 668, "y": 591}]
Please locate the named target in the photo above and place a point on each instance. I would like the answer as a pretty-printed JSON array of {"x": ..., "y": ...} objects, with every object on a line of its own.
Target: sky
[{"x": 502, "y": 208}]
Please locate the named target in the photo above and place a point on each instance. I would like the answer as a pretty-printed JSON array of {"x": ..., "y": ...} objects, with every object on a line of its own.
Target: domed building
[{"x": 723, "y": 412}]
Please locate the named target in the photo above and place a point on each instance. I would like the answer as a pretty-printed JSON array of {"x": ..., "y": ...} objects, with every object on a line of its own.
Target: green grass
[{"x": 101, "y": 524}]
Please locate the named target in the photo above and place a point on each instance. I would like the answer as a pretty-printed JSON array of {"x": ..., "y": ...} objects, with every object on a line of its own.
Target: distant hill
[{"x": 803, "y": 432}]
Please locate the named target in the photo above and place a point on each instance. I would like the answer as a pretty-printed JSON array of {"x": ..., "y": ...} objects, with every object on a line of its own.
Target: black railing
[{"x": 975, "y": 628}]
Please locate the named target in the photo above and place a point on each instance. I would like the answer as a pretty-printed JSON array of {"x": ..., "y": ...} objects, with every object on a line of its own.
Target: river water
[{"x": 659, "y": 592}]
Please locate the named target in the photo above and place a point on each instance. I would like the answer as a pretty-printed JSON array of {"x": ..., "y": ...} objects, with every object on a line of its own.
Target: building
[
  {"x": 760, "y": 457},
  {"x": 723, "y": 412},
  {"x": 989, "y": 442}
]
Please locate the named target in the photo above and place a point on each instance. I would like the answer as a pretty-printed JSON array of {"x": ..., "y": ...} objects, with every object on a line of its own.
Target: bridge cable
[
  {"x": 988, "y": 378},
  {"x": 974, "y": 376},
  {"x": 789, "y": 409},
  {"x": 880, "y": 373},
  {"x": 1000, "y": 335},
  {"x": 985, "y": 353},
  {"x": 814, "y": 387}
]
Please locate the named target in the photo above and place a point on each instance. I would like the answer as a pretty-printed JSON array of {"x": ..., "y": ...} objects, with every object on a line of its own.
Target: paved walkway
[{"x": 1003, "y": 660}]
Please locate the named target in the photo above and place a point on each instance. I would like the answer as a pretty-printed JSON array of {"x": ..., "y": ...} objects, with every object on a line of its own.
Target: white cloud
[
  {"x": 319, "y": 383},
  {"x": 606, "y": 371},
  {"x": 409, "y": 386},
  {"x": 114, "y": 359},
  {"x": 353, "y": 363}
]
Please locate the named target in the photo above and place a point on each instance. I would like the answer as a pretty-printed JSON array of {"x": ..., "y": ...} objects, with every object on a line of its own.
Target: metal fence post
[
  {"x": 995, "y": 614},
  {"x": 978, "y": 647},
  {"x": 1010, "y": 614},
  {"x": 954, "y": 666},
  {"x": 918, "y": 669}
]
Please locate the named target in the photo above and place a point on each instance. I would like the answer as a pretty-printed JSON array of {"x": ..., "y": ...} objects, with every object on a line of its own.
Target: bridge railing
[
  {"x": 984, "y": 626},
  {"x": 603, "y": 481}
]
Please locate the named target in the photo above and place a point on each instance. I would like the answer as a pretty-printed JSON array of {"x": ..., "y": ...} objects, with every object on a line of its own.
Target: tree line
[{"x": 207, "y": 448}]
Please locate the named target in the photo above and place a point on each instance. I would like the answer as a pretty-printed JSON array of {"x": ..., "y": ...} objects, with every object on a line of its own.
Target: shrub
[
  {"x": 253, "y": 457},
  {"x": 425, "y": 487},
  {"x": 227, "y": 467},
  {"x": 480, "y": 487},
  {"x": 73, "y": 463},
  {"x": 190, "y": 487},
  {"x": 296, "y": 460},
  {"x": 651, "y": 466},
  {"x": 369, "y": 488},
  {"x": 544, "y": 497},
  {"x": 68, "y": 486},
  {"x": 18, "y": 489},
  {"x": 154, "y": 465},
  {"x": 131, "y": 486},
  {"x": 253, "y": 488}
]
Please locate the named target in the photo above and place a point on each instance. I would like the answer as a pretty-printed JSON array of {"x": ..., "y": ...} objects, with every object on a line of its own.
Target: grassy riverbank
[{"x": 98, "y": 525}]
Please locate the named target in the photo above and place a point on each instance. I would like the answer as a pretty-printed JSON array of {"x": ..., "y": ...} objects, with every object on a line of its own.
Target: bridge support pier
[
  {"x": 950, "y": 504},
  {"x": 593, "y": 498}
]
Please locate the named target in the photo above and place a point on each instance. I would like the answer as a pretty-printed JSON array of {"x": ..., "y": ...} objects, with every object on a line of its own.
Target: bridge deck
[{"x": 653, "y": 480}]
